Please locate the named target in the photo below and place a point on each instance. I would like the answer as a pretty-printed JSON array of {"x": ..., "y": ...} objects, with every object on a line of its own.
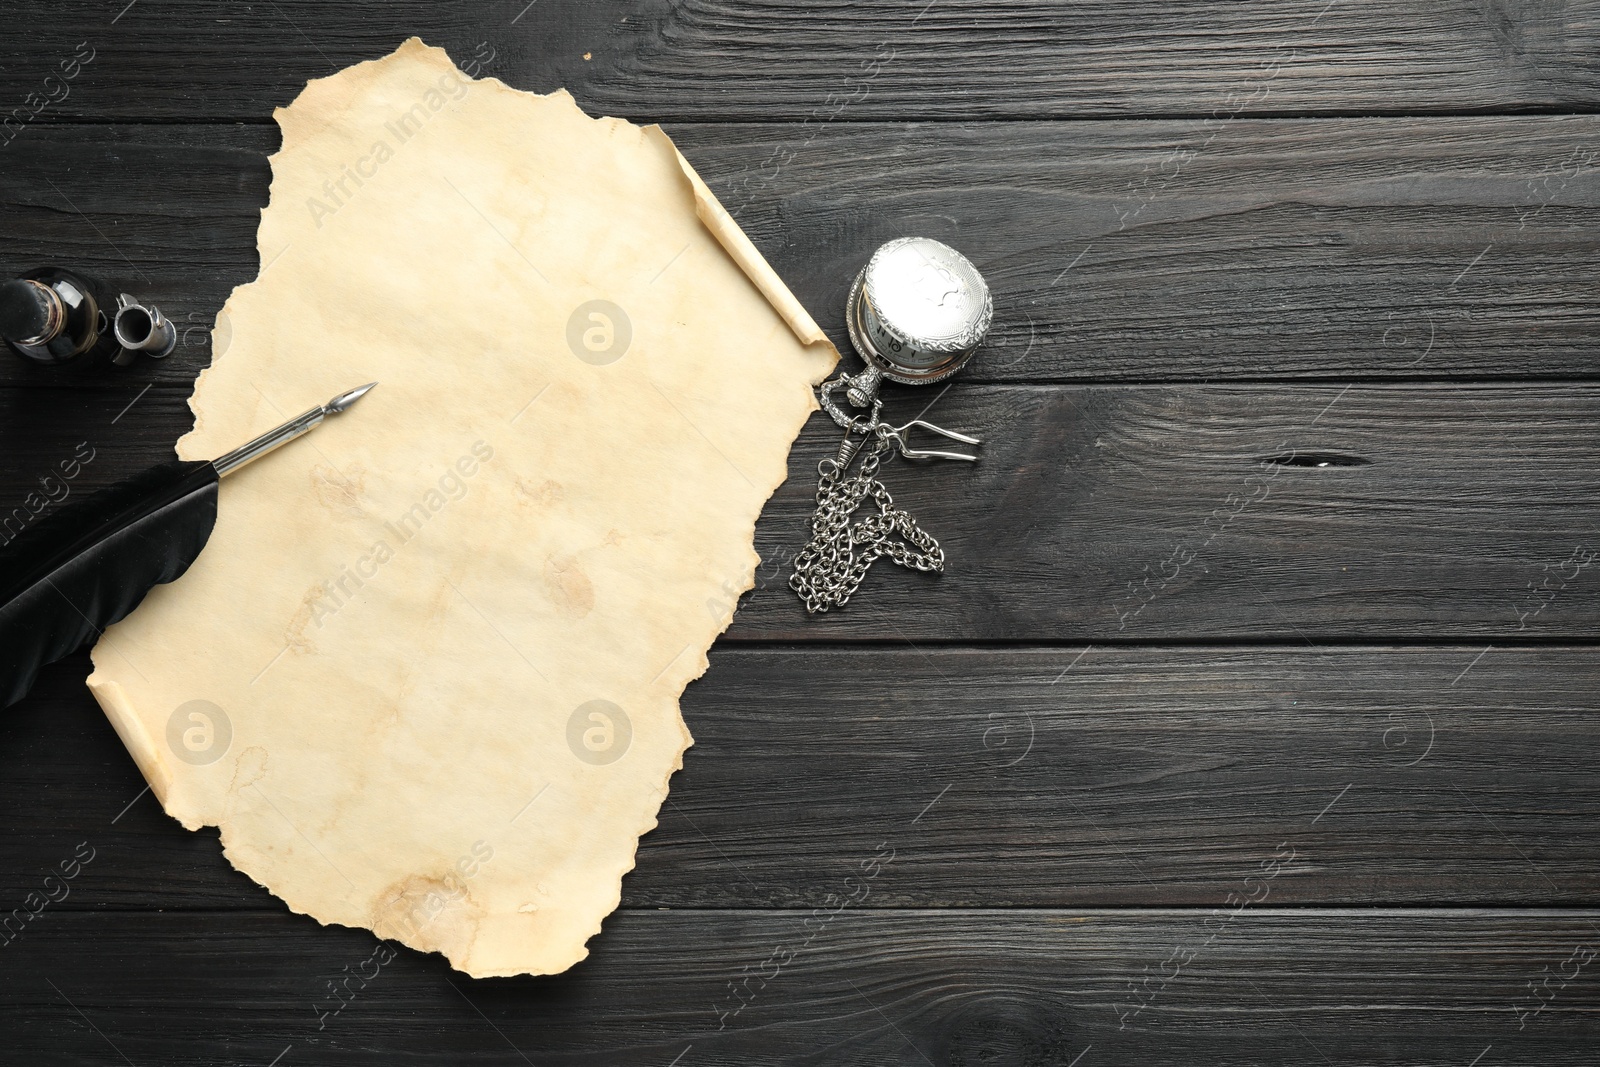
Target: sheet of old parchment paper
[{"x": 425, "y": 676}]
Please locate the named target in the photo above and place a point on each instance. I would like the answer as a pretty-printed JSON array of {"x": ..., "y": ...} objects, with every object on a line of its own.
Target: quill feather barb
[{"x": 80, "y": 569}]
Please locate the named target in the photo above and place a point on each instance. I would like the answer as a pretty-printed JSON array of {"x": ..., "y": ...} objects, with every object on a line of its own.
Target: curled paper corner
[
  {"x": 130, "y": 728},
  {"x": 739, "y": 246}
]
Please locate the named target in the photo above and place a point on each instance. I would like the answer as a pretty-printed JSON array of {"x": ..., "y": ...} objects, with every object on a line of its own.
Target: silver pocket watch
[{"x": 916, "y": 313}]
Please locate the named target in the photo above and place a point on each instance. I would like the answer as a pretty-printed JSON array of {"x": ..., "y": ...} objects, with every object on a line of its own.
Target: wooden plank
[
  {"x": 1306, "y": 514},
  {"x": 1148, "y": 251},
  {"x": 887, "y": 988},
  {"x": 167, "y": 213},
  {"x": 655, "y": 60},
  {"x": 1135, "y": 513},
  {"x": 1383, "y": 248},
  {"x": 1066, "y": 777}
]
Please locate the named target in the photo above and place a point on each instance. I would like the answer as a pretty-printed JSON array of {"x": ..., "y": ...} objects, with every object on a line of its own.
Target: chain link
[{"x": 831, "y": 567}]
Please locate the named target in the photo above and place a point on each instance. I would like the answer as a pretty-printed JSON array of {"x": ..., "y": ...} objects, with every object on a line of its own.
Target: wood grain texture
[
  {"x": 1072, "y": 777},
  {"x": 1304, "y": 514},
  {"x": 1153, "y": 251},
  {"x": 1307, "y": 514},
  {"x": 860, "y": 988},
  {"x": 1253, "y": 720},
  {"x": 1378, "y": 248},
  {"x": 675, "y": 60}
]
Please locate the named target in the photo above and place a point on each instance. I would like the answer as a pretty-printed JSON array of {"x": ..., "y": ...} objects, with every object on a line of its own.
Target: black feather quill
[
  {"x": 77, "y": 570},
  {"x": 80, "y": 569}
]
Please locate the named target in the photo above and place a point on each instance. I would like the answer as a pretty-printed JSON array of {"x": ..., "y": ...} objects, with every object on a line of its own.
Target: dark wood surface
[
  {"x": 1154, "y": 776},
  {"x": 1423, "y": 249},
  {"x": 1255, "y": 720},
  {"x": 743, "y": 60}
]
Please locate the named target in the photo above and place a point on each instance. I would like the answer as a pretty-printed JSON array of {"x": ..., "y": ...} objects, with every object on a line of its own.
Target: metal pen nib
[
  {"x": 252, "y": 450},
  {"x": 344, "y": 400}
]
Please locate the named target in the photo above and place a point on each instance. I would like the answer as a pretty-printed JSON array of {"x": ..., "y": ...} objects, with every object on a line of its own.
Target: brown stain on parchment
[
  {"x": 547, "y": 494},
  {"x": 569, "y": 587},
  {"x": 294, "y": 634},
  {"x": 339, "y": 491},
  {"x": 431, "y": 913}
]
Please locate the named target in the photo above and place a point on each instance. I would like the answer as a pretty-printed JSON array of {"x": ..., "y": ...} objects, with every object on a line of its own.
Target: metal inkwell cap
[{"x": 917, "y": 312}]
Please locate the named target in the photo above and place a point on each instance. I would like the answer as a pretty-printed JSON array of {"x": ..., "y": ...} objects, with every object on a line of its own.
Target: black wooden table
[{"x": 1254, "y": 721}]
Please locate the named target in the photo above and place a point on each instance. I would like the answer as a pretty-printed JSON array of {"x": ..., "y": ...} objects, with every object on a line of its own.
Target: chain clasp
[{"x": 897, "y": 435}]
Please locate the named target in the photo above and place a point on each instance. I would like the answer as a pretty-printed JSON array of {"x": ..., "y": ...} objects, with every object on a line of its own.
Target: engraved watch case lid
[{"x": 918, "y": 310}]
